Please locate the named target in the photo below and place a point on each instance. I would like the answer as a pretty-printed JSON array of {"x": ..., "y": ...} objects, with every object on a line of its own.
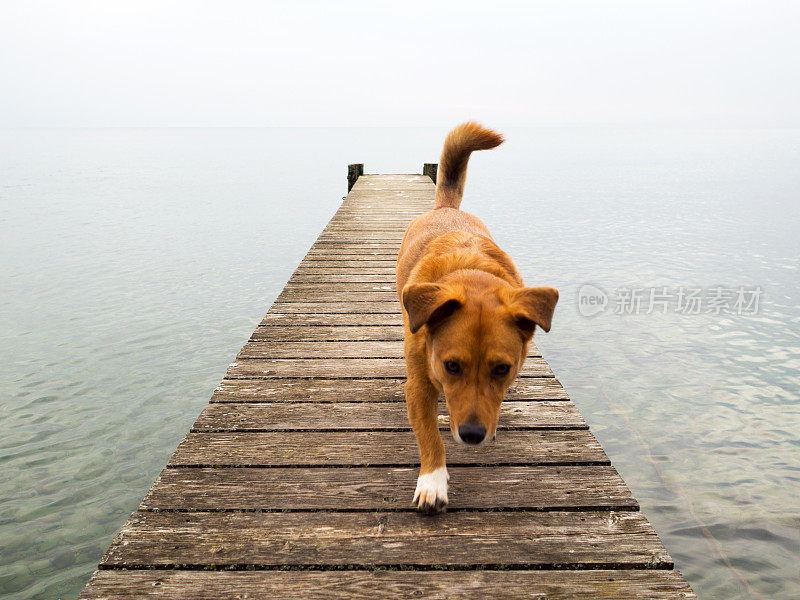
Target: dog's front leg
[{"x": 422, "y": 403}]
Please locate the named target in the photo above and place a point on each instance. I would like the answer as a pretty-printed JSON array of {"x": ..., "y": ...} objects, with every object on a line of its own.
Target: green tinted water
[{"x": 134, "y": 265}]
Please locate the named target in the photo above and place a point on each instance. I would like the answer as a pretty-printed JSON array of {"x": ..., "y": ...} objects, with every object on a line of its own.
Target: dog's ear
[
  {"x": 533, "y": 306},
  {"x": 428, "y": 304}
]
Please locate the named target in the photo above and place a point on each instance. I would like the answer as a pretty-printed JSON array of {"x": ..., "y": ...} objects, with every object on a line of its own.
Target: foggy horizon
[{"x": 200, "y": 65}]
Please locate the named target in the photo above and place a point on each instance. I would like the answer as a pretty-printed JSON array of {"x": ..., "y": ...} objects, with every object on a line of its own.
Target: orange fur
[
  {"x": 458, "y": 145},
  {"x": 464, "y": 304}
]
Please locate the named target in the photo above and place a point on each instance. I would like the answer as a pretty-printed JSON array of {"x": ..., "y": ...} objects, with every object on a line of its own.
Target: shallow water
[{"x": 135, "y": 263}]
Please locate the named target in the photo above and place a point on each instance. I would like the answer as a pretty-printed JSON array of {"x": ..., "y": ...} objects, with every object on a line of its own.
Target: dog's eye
[
  {"x": 501, "y": 370},
  {"x": 452, "y": 367}
]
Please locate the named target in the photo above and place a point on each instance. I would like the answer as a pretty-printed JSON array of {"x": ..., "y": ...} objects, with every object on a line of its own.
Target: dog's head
[{"x": 477, "y": 329}]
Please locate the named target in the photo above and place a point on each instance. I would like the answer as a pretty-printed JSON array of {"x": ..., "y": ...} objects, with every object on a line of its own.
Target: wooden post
[
  {"x": 430, "y": 169},
  {"x": 353, "y": 173}
]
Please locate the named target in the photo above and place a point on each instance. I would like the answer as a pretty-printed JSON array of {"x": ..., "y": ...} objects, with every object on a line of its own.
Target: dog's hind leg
[{"x": 422, "y": 403}]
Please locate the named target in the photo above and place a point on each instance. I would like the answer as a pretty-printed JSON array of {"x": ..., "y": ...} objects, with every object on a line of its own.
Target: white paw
[{"x": 431, "y": 493}]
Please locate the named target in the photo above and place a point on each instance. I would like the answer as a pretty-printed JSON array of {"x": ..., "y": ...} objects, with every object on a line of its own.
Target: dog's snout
[{"x": 472, "y": 433}]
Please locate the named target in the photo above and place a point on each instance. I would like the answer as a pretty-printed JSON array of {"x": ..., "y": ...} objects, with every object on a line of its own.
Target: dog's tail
[{"x": 458, "y": 145}]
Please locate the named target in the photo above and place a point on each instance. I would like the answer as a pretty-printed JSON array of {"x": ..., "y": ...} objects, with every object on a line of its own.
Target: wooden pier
[{"x": 296, "y": 479}]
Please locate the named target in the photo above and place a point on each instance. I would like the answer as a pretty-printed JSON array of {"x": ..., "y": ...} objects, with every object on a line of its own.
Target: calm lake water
[{"x": 135, "y": 263}]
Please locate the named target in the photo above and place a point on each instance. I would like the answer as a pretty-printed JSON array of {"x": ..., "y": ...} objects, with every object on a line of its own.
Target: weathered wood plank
[
  {"x": 521, "y": 539},
  {"x": 390, "y": 229},
  {"x": 331, "y": 319},
  {"x": 360, "y": 214},
  {"x": 360, "y": 390},
  {"x": 389, "y": 585},
  {"x": 386, "y": 272},
  {"x": 344, "y": 349},
  {"x": 306, "y": 333},
  {"x": 353, "y": 286},
  {"x": 355, "y": 214},
  {"x": 282, "y": 416},
  {"x": 343, "y": 254},
  {"x": 381, "y": 448},
  {"x": 370, "y": 488},
  {"x": 331, "y": 296},
  {"x": 345, "y": 367},
  {"x": 362, "y": 349},
  {"x": 383, "y": 247},
  {"x": 369, "y": 236},
  {"x": 365, "y": 209},
  {"x": 394, "y": 239},
  {"x": 370, "y": 231},
  {"x": 345, "y": 308},
  {"x": 323, "y": 278},
  {"x": 358, "y": 243},
  {"x": 359, "y": 217},
  {"x": 355, "y": 264},
  {"x": 337, "y": 238}
]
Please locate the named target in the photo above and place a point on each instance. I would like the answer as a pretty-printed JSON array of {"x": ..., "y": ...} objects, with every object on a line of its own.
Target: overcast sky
[{"x": 237, "y": 63}]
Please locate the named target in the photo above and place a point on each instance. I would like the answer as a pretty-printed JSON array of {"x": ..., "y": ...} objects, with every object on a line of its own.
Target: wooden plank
[
  {"x": 385, "y": 247},
  {"x": 324, "y": 278},
  {"x": 345, "y": 367},
  {"x": 355, "y": 216},
  {"x": 388, "y": 585},
  {"x": 321, "y": 333},
  {"x": 384, "y": 221},
  {"x": 408, "y": 209},
  {"x": 351, "y": 241},
  {"x": 370, "y": 488},
  {"x": 376, "y": 221},
  {"x": 374, "y": 230},
  {"x": 368, "y": 236},
  {"x": 380, "y": 448},
  {"x": 361, "y": 236},
  {"x": 360, "y": 390},
  {"x": 344, "y": 254},
  {"x": 371, "y": 231},
  {"x": 353, "y": 266},
  {"x": 285, "y": 416},
  {"x": 394, "y": 228},
  {"x": 391, "y": 307},
  {"x": 301, "y": 350},
  {"x": 326, "y": 349},
  {"x": 353, "y": 286},
  {"x": 356, "y": 264},
  {"x": 386, "y": 272},
  {"x": 367, "y": 209},
  {"x": 358, "y": 243},
  {"x": 515, "y": 539},
  {"x": 330, "y": 296},
  {"x": 331, "y": 319},
  {"x": 358, "y": 215}
]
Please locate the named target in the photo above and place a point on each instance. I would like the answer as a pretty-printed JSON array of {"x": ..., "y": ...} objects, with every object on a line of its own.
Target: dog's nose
[{"x": 472, "y": 433}]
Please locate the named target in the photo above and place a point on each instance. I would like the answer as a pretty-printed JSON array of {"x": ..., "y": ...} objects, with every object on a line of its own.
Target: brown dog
[{"x": 468, "y": 318}]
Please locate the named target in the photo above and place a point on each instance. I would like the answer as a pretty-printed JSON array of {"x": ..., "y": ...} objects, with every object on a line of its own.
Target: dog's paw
[{"x": 431, "y": 493}]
